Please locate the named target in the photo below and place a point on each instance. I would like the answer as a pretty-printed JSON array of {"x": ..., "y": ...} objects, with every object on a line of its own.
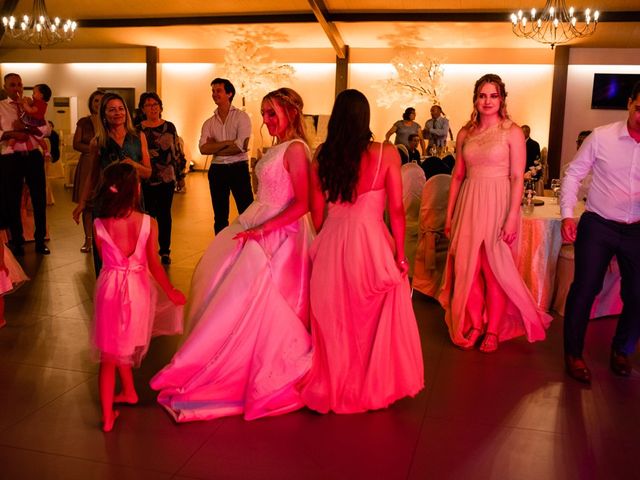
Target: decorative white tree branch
[
  {"x": 247, "y": 64},
  {"x": 418, "y": 79}
]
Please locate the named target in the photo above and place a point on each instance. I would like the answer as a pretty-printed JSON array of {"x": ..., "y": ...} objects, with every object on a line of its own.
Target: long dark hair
[
  {"x": 348, "y": 136},
  {"x": 118, "y": 193}
]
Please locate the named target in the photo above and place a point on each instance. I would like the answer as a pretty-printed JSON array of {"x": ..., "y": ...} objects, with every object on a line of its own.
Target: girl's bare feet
[{"x": 109, "y": 420}]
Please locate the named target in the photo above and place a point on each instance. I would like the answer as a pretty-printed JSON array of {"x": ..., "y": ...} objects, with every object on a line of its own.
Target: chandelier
[
  {"x": 555, "y": 24},
  {"x": 38, "y": 29}
]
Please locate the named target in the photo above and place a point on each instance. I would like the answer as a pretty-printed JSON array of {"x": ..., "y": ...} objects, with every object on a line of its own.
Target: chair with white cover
[
  {"x": 403, "y": 151},
  {"x": 608, "y": 302},
  {"x": 413, "y": 181},
  {"x": 431, "y": 254}
]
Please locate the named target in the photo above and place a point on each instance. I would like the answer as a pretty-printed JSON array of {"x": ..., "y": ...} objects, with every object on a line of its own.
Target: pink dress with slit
[
  {"x": 367, "y": 351},
  {"x": 481, "y": 209}
]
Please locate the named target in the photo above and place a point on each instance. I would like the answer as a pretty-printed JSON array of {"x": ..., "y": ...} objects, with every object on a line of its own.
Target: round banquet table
[{"x": 538, "y": 248}]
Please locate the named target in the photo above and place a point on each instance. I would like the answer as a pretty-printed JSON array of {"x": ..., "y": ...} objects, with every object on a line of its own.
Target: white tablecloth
[{"x": 539, "y": 245}]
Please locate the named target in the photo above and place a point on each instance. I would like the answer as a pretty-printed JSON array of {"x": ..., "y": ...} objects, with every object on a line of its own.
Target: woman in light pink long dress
[
  {"x": 483, "y": 294},
  {"x": 367, "y": 350},
  {"x": 248, "y": 344}
]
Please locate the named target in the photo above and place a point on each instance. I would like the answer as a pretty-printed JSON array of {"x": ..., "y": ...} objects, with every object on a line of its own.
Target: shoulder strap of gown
[
  {"x": 100, "y": 230},
  {"x": 302, "y": 142},
  {"x": 145, "y": 230},
  {"x": 375, "y": 177}
]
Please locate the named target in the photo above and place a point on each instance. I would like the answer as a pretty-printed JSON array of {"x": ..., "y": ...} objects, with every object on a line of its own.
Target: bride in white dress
[{"x": 249, "y": 305}]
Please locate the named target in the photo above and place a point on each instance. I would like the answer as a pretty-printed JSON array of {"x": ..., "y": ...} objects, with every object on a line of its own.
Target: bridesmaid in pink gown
[
  {"x": 248, "y": 346},
  {"x": 483, "y": 293},
  {"x": 367, "y": 350}
]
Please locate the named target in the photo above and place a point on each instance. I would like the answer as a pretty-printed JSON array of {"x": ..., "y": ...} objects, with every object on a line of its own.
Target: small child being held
[
  {"x": 34, "y": 110},
  {"x": 126, "y": 309}
]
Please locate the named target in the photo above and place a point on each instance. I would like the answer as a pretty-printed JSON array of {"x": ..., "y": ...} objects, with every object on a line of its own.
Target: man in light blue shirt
[{"x": 610, "y": 226}]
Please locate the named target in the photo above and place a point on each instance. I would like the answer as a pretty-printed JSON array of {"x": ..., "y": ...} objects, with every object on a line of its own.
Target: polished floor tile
[
  {"x": 19, "y": 464},
  {"x": 510, "y": 415},
  {"x": 458, "y": 450},
  {"x": 26, "y": 389}
]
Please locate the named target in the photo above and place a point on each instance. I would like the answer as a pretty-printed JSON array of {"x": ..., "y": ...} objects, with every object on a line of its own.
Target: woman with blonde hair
[
  {"x": 116, "y": 141},
  {"x": 248, "y": 344},
  {"x": 483, "y": 294}
]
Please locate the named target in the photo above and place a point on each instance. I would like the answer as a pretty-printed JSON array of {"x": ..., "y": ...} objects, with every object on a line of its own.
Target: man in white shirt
[
  {"x": 226, "y": 136},
  {"x": 21, "y": 161},
  {"x": 610, "y": 226}
]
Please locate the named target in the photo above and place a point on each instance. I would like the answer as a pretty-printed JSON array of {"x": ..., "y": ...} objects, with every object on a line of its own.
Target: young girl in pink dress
[
  {"x": 483, "y": 294},
  {"x": 125, "y": 310}
]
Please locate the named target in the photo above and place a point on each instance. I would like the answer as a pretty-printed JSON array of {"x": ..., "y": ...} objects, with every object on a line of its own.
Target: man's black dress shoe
[
  {"x": 18, "y": 250},
  {"x": 42, "y": 249},
  {"x": 577, "y": 369},
  {"x": 620, "y": 363}
]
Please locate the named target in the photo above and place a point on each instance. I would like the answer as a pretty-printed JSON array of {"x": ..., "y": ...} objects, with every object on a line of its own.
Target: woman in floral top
[{"x": 168, "y": 165}]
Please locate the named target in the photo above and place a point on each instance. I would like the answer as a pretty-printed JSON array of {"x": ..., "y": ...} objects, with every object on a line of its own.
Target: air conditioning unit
[{"x": 63, "y": 112}]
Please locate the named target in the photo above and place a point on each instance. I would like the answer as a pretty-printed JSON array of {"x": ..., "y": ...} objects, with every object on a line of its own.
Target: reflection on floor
[{"x": 510, "y": 415}]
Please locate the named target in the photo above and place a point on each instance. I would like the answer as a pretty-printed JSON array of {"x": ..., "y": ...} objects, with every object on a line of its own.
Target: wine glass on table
[{"x": 555, "y": 188}]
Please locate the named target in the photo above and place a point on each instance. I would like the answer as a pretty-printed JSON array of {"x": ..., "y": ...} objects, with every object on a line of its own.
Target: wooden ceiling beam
[
  {"x": 458, "y": 16},
  {"x": 320, "y": 11},
  {"x": 202, "y": 20},
  {"x": 391, "y": 16}
]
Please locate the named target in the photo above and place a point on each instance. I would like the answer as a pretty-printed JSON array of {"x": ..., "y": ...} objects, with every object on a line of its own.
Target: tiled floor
[{"x": 511, "y": 415}]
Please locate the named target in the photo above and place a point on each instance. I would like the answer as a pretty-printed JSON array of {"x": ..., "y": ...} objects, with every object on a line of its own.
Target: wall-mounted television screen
[{"x": 611, "y": 90}]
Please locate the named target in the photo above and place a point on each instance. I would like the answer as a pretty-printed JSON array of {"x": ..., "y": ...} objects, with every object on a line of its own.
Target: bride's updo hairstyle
[
  {"x": 348, "y": 136},
  {"x": 494, "y": 80},
  {"x": 290, "y": 102}
]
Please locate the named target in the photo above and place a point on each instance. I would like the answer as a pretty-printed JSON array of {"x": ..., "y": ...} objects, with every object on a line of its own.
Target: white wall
[
  {"x": 185, "y": 91},
  {"x": 186, "y": 97},
  {"x": 578, "y": 114},
  {"x": 528, "y": 100},
  {"x": 80, "y": 79}
]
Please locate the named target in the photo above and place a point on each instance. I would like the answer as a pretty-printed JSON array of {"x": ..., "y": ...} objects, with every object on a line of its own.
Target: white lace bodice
[{"x": 274, "y": 182}]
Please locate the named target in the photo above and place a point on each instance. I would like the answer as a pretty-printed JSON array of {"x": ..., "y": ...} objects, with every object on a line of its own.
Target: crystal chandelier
[
  {"x": 38, "y": 29},
  {"x": 555, "y": 24}
]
